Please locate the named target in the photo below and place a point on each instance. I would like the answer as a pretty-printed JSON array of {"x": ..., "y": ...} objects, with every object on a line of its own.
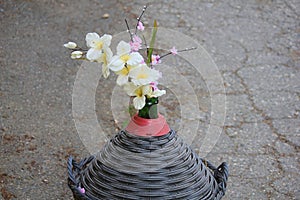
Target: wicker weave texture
[{"x": 132, "y": 167}]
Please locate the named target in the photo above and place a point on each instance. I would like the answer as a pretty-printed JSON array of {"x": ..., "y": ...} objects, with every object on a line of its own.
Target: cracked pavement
[{"x": 255, "y": 45}]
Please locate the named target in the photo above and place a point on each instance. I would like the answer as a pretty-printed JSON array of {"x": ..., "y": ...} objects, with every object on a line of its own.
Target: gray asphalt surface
[{"x": 255, "y": 44}]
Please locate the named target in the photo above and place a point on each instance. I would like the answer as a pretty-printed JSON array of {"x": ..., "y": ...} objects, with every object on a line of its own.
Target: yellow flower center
[
  {"x": 125, "y": 70},
  {"x": 125, "y": 58},
  {"x": 139, "y": 92},
  {"x": 142, "y": 76},
  {"x": 99, "y": 45}
]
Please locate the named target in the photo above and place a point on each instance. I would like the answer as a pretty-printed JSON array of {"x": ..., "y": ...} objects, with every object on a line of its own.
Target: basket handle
[
  {"x": 221, "y": 174},
  {"x": 74, "y": 169}
]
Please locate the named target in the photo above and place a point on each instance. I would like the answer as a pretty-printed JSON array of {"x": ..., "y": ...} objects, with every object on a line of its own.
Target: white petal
[
  {"x": 135, "y": 58},
  {"x": 106, "y": 56},
  {"x": 139, "y": 102},
  {"x": 142, "y": 81},
  {"x": 121, "y": 80},
  {"x": 90, "y": 38},
  {"x": 123, "y": 48},
  {"x": 134, "y": 72},
  {"x": 147, "y": 90},
  {"x": 106, "y": 39},
  {"x": 158, "y": 93},
  {"x": 93, "y": 54},
  {"x": 130, "y": 89},
  {"x": 143, "y": 75},
  {"x": 109, "y": 54},
  {"x": 116, "y": 64}
]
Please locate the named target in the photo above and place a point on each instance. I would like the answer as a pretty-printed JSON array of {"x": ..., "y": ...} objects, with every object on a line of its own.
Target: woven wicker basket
[{"x": 134, "y": 167}]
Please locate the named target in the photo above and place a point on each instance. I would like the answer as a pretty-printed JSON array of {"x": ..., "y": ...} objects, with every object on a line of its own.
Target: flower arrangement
[
  {"x": 136, "y": 74},
  {"x": 112, "y": 175}
]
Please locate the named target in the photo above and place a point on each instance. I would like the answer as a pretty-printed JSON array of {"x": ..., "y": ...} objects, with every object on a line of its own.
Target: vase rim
[{"x": 148, "y": 127}]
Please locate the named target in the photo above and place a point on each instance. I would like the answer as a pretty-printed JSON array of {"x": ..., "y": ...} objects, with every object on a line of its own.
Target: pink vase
[{"x": 148, "y": 127}]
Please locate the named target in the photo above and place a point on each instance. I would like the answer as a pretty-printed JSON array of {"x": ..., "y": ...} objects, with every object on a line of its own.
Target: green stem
[{"x": 149, "y": 111}]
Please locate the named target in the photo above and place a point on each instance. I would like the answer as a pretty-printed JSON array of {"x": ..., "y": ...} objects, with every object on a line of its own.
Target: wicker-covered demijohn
[{"x": 135, "y": 167}]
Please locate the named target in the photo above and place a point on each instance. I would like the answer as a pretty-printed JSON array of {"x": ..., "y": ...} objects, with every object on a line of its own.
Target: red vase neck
[{"x": 148, "y": 127}]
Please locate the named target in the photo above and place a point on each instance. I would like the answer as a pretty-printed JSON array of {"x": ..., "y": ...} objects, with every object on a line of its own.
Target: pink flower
[
  {"x": 173, "y": 51},
  {"x": 136, "y": 43},
  {"x": 140, "y": 26},
  {"x": 154, "y": 85},
  {"x": 82, "y": 190},
  {"x": 137, "y": 39},
  {"x": 155, "y": 59},
  {"x": 135, "y": 46}
]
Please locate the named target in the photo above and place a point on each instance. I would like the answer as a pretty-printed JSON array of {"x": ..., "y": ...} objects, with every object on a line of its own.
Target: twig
[
  {"x": 182, "y": 50},
  {"x": 187, "y": 49},
  {"x": 139, "y": 19},
  {"x": 128, "y": 30}
]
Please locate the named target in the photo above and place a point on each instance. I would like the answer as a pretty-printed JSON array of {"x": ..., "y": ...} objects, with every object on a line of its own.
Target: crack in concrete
[{"x": 268, "y": 121}]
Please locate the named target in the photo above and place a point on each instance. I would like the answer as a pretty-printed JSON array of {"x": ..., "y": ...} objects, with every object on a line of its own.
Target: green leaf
[{"x": 150, "y": 50}]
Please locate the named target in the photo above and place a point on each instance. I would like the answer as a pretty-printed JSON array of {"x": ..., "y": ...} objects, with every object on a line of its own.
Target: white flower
[
  {"x": 70, "y": 45},
  {"x": 105, "y": 59},
  {"x": 139, "y": 93},
  {"x": 76, "y": 54},
  {"x": 96, "y": 45},
  {"x": 144, "y": 75},
  {"x": 123, "y": 74},
  {"x": 124, "y": 57}
]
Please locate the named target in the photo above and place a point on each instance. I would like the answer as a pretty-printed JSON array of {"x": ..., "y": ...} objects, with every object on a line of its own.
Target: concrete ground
[{"x": 254, "y": 43}]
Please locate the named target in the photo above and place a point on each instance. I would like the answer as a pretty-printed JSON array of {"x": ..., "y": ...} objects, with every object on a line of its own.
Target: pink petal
[
  {"x": 140, "y": 26},
  {"x": 173, "y": 51},
  {"x": 82, "y": 190},
  {"x": 135, "y": 46},
  {"x": 137, "y": 39}
]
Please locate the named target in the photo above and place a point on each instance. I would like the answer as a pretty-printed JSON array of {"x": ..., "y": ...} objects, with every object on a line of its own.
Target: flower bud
[
  {"x": 70, "y": 45},
  {"x": 76, "y": 54}
]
